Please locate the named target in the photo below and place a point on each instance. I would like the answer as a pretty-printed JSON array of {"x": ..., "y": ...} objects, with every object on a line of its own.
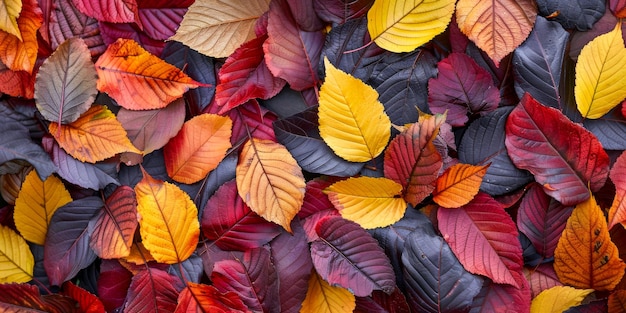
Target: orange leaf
[
  {"x": 617, "y": 212},
  {"x": 205, "y": 298},
  {"x": 94, "y": 136},
  {"x": 168, "y": 220},
  {"x": 139, "y": 255},
  {"x": 585, "y": 256},
  {"x": 496, "y": 26},
  {"x": 114, "y": 226},
  {"x": 21, "y": 54},
  {"x": 36, "y": 203},
  {"x": 17, "y": 83},
  {"x": 458, "y": 185},
  {"x": 198, "y": 147},
  {"x": 270, "y": 181},
  {"x": 321, "y": 297},
  {"x": 138, "y": 80},
  {"x": 617, "y": 301}
]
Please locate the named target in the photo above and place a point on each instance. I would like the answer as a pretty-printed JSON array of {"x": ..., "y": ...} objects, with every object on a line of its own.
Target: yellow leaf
[
  {"x": 558, "y": 299},
  {"x": 217, "y": 27},
  {"x": 353, "y": 123},
  {"x": 270, "y": 181},
  {"x": 94, "y": 136},
  {"x": 496, "y": 26},
  {"x": 36, "y": 203},
  {"x": 324, "y": 298},
  {"x": 139, "y": 255},
  {"x": 600, "y": 83},
  {"x": 585, "y": 257},
  {"x": 168, "y": 220},
  {"x": 368, "y": 201},
  {"x": 198, "y": 147},
  {"x": 16, "y": 260},
  {"x": 402, "y": 26},
  {"x": 458, "y": 185},
  {"x": 19, "y": 53},
  {"x": 9, "y": 11}
]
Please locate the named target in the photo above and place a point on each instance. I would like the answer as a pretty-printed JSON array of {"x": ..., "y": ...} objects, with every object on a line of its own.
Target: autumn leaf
[
  {"x": 496, "y": 26},
  {"x": 585, "y": 256},
  {"x": 205, "y": 298},
  {"x": 113, "y": 11},
  {"x": 600, "y": 66},
  {"x": 10, "y": 11},
  {"x": 149, "y": 82},
  {"x": 198, "y": 148},
  {"x": 113, "y": 227},
  {"x": 270, "y": 181},
  {"x": 36, "y": 203},
  {"x": 458, "y": 185},
  {"x": 617, "y": 212},
  {"x": 20, "y": 54},
  {"x": 558, "y": 299},
  {"x": 151, "y": 290},
  {"x": 403, "y": 26},
  {"x": 16, "y": 260},
  {"x": 324, "y": 298},
  {"x": 617, "y": 301},
  {"x": 368, "y": 201},
  {"x": 88, "y": 302},
  {"x": 217, "y": 27},
  {"x": 168, "y": 220},
  {"x": 352, "y": 120}
]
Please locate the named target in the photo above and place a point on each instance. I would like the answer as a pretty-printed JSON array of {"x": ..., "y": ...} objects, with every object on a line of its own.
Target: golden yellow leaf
[
  {"x": 585, "y": 257},
  {"x": 35, "y": 204},
  {"x": 9, "y": 11},
  {"x": 217, "y": 27},
  {"x": 458, "y": 185},
  {"x": 270, "y": 181},
  {"x": 402, "y": 26},
  {"x": 16, "y": 260},
  {"x": 19, "y": 53},
  {"x": 324, "y": 298},
  {"x": 353, "y": 123},
  {"x": 496, "y": 26},
  {"x": 599, "y": 74},
  {"x": 94, "y": 136},
  {"x": 139, "y": 255},
  {"x": 168, "y": 220},
  {"x": 558, "y": 299},
  {"x": 370, "y": 202}
]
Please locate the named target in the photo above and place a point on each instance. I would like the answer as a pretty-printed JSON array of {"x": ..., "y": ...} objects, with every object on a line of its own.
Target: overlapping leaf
[
  {"x": 88, "y": 302},
  {"x": 541, "y": 278},
  {"x": 169, "y": 224},
  {"x": 113, "y": 228},
  {"x": 149, "y": 82},
  {"x": 270, "y": 181},
  {"x": 217, "y": 27},
  {"x": 585, "y": 256},
  {"x": 563, "y": 156},
  {"x": 94, "y": 136},
  {"x": 501, "y": 298},
  {"x": 66, "y": 22},
  {"x": 458, "y": 185},
  {"x": 36, "y": 203},
  {"x": 17, "y": 83},
  {"x": 581, "y": 14},
  {"x": 160, "y": 19},
  {"x": 558, "y": 299},
  {"x": 151, "y": 290},
  {"x": 322, "y": 297},
  {"x": 10, "y": 11},
  {"x": 617, "y": 212},
  {"x": 20, "y": 53},
  {"x": 205, "y": 298},
  {"x": 16, "y": 260},
  {"x": 113, "y": 11},
  {"x": 25, "y": 297}
]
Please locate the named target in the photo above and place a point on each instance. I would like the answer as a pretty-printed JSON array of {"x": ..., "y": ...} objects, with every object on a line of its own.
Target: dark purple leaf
[
  {"x": 609, "y": 129},
  {"x": 501, "y": 298},
  {"x": 212, "y": 254},
  {"x": 151, "y": 290},
  {"x": 341, "y": 11},
  {"x": 251, "y": 118},
  {"x": 190, "y": 270},
  {"x": 382, "y": 303},
  {"x": 483, "y": 143},
  {"x": 300, "y": 135},
  {"x": 161, "y": 18},
  {"x": 230, "y": 223},
  {"x": 579, "y": 14},
  {"x": 224, "y": 172},
  {"x": 67, "y": 248},
  {"x": 39, "y": 272},
  {"x": 292, "y": 260},
  {"x": 580, "y": 38},
  {"x": 502, "y": 75},
  {"x": 346, "y": 255},
  {"x": 436, "y": 281},
  {"x": 288, "y": 102},
  {"x": 303, "y": 12},
  {"x": 110, "y": 32},
  {"x": 537, "y": 62},
  {"x": 67, "y": 22},
  {"x": 591, "y": 307}
]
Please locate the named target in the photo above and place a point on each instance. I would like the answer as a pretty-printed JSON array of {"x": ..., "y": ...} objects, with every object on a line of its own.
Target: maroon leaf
[
  {"x": 462, "y": 86},
  {"x": 230, "y": 223},
  {"x": 541, "y": 277},
  {"x": 502, "y": 298},
  {"x": 303, "y": 12},
  {"x": 212, "y": 254},
  {"x": 484, "y": 238},
  {"x": 564, "y": 157},
  {"x": 618, "y": 7},
  {"x": 113, "y": 283},
  {"x": 112, "y": 31},
  {"x": 66, "y": 21},
  {"x": 88, "y": 302},
  {"x": 316, "y": 205},
  {"x": 251, "y": 118},
  {"x": 341, "y": 11},
  {"x": 161, "y": 18},
  {"x": 291, "y": 53},
  {"x": 21, "y": 295},
  {"x": 245, "y": 76},
  {"x": 383, "y": 303},
  {"x": 542, "y": 219},
  {"x": 253, "y": 278},
  {"x": 151, "y": 290},
  {"x": 346, "y": 255}
]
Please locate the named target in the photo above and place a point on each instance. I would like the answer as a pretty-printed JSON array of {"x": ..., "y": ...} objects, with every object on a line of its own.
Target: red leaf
[
  {"x": 253, "y": 278},
  {"x": 17, "y": 83},
  {"x": 161, "y": 18},
  {"x": 564, "y": 157},
  {"x": 502, "y": 298},
  {"x": 462, "y": 86},
  {"x": 245, "y": 76},
  {"x": 541, "y": 278},
  {"x": 151, "y": 290},
  {"x": 113, "y": 11},
  {"x": 542, "y": 219},
  {"x": 230, "y": 223},
  {"x": 290, "y": 53},
  {"x": 22, "y": 296},
  {"x": 484, "y": 238},
  {"x": 316, "y": 205},
  {"x": 113, "y": 228},
  {"x": 88, "y": 302},
  {"x": 347, "y": 255},
  {"x": 113, "y": 283},
  {"x": 204, "y": 298},
  {"x": 618, "y": 7},
  {"x": 617, "y": 212},
  {"x": 251, "y": 117}
]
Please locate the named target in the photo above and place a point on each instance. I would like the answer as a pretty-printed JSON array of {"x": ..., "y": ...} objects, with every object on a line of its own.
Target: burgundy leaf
[
  {"x": 161, "y": 18},
  {"x": 88, "y": 302},
  {"x": 502, "y": 298},
  {"x": 151, "y": 290},
  {"x": 462, "y": 86},
  {"x": 67, "y": 21},
  {"x": 21, "y": 295},
  {"x": 230, "y": 223},
  {"x": 253, "y": 278},
  {"x": 113, "y": 283},
  {"x": 212, "y": 254},
  {"x": 251, "y": 118},
  {"x": 316, "y": 205},
  {"x": 541, "y": 277},
  {"x": 113, "y": 11},
  {"x": 303, "y": 11},
  {"x": 341, "y": 11},
  {"x": 67, "y": 248},
  {"x": 383, "y": 303},
  {"x": 564, "y": 157},
  {"x": 245, "y": 76},
  {"x": 112, "y": 31},
  {"x": 291, "y": 53},
  {"x": 618, "y": 7},
  {"x": 346, "y": 255}
]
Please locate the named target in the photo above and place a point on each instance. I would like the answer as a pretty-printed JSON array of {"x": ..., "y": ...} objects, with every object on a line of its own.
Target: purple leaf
[
  {"x": 112, "y": 31},
  {"x": 66, "y": 22},
  {"x": 579, "y": 14},
  {"x": 501, "y": 298},
  {"x": 341, "y": 11},
  {"x": 161, "y": 18},
  {"x": 303, "y": 12}
]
